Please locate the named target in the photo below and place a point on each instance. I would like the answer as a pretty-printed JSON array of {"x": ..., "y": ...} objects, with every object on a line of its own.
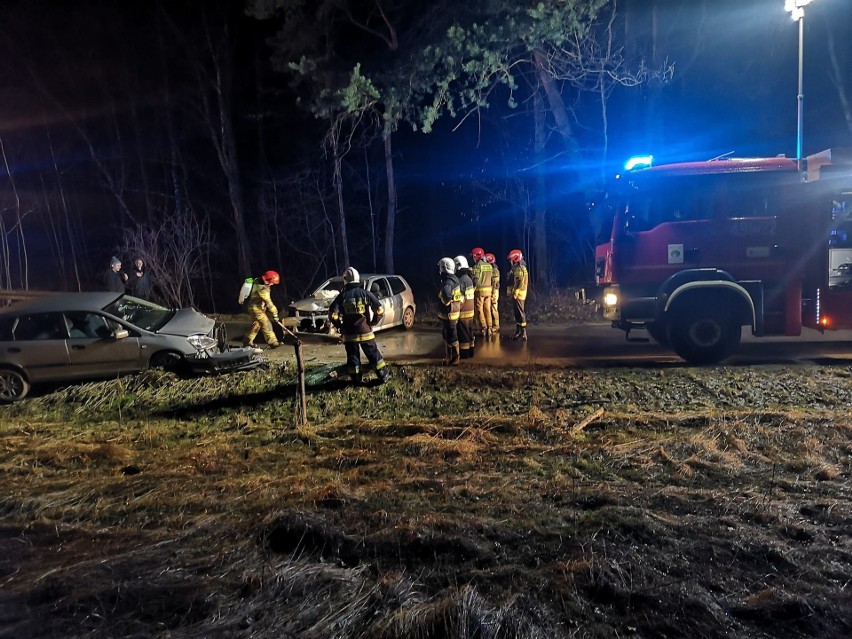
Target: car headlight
[
  {"x": 201, "y": 342},
  {"x": 610, "y": 299}
]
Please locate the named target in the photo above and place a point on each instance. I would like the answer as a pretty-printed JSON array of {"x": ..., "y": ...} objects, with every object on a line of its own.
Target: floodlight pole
[
  {"x": 800, "y": 98},
  {"x": 797, "y": 12}
]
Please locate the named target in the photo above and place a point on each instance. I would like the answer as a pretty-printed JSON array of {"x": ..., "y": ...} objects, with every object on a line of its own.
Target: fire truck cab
[{"x": 698, "y": 250}]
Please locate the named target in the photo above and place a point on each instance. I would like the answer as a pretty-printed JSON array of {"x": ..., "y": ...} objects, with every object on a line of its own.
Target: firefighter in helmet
[
  {"x": 495, "y": 294},
  {"x": 260, "y": 306},
  {"x": 482, "y": 274},
  {"x": 450, "y": 301},
  {"x": 354, "y": 312},
  {"x": 519, "y": 279},
  {"x": 465, "y": 325}
]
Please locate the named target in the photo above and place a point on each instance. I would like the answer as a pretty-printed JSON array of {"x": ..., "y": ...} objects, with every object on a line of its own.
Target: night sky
[{"x": 100, "y": 104}]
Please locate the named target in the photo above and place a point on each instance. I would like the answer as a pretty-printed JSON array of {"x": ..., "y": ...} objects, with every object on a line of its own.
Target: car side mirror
[{"x": 121, "y": 333}]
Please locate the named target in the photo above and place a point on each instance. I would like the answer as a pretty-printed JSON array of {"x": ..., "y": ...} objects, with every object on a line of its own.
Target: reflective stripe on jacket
[
  {"x": 467, "y": 292},
  {"x": 261, "y": 298},
  {"x": 520, "y": 281},
  {"x": 349, "y": 313},
  {"x": 483, "y": 278},
  {"x": 450, "y": 297}
]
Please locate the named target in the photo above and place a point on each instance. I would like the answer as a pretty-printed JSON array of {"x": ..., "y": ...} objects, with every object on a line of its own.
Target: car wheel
[
  {"x": 13, "y": 385},
  {"x": 408, "y": 318},
  {"x": 166, "y": 360}
]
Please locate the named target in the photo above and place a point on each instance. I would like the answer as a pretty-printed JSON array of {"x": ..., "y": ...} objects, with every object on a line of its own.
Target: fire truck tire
[
  {"x": 658, "y": 332},
  {"x": 704, "y": 334}
]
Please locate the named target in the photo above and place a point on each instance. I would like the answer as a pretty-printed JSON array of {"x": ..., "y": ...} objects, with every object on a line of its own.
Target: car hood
[
  {"x": 317, "y": 303},
  {"x": 188, "y": 321}
]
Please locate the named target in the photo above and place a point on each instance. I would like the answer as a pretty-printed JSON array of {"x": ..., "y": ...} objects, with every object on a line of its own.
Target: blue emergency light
[{"x": 638, "y": 162}]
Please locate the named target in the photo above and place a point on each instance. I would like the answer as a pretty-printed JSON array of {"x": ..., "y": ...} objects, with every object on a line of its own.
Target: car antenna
[{"x": 722, "y": 157}]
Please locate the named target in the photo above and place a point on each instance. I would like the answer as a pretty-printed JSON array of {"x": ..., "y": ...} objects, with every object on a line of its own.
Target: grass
[{"x": 463, "y": 502}]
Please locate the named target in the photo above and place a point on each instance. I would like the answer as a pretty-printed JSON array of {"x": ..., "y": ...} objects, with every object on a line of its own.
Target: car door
[
  {"x": 36, "y": 344},
  {"x": 93, "y": 349},
  {"x": 379, "y": 287}
]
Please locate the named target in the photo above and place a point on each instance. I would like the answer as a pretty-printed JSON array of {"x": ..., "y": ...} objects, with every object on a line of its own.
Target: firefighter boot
[
  {"x": 523, "y": 336},
  {"x": 518, "y": 333},
  {"x": 448, "y": 357},
  {"x": 383, "y": 374},
  {"x": 356, "y": 379},
  {"x": 455, "y": 358}
]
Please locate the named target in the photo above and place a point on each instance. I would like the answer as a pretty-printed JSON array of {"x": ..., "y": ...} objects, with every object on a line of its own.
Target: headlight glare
[{"x": 610, "y": 299}]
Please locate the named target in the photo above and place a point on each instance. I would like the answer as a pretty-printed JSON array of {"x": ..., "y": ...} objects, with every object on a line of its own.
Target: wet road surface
[{"x": 579, "y": 345}]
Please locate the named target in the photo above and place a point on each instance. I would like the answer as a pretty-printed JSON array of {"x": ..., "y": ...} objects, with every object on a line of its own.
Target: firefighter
[
  {"x": 482, "y": 275},
  {"x": 350, "y": 312},
  {"x": 259, "y": 306},
  {"x": 495, "y": 294},
  {"x": 465, "y": 325},
  {"x": 519, "y": 278},
  {"x": 450, "y": 301}
]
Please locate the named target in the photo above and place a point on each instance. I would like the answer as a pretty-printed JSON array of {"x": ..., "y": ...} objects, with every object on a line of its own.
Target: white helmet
[
  {"x": 461, "y": 262},
  {"x": 351, "y": 275},
  {"x": 446, "y": 265}
]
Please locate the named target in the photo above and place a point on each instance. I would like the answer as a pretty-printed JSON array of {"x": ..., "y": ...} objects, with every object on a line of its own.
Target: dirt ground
[{"x": 450, "y": 502}]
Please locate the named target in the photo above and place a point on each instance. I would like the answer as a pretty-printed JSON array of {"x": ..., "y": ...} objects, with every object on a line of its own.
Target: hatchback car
[
  {"x": 64, "y": 337},
  {"x": 310, "y": 315}
]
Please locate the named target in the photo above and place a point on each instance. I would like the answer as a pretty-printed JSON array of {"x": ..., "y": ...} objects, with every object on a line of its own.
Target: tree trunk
[
  {"x": 341, "y": 210},
  {"x": 391, "y": 219},
  {"x": 557, "y": 106},
  {"x": 541, "y": 261}
]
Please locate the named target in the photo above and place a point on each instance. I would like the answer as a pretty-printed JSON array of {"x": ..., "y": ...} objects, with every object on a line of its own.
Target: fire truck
[{"x": 698, "y": 250}]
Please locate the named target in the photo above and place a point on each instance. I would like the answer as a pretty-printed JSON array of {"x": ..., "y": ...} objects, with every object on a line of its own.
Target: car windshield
[{"x": 141, "y": 313}]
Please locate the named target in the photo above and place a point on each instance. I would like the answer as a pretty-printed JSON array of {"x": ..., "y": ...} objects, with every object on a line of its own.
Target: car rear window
[{"x": 397, "y": 285}]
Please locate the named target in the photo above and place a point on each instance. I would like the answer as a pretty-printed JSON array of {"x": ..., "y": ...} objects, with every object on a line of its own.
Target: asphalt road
[{"x": 580, "y": 345}]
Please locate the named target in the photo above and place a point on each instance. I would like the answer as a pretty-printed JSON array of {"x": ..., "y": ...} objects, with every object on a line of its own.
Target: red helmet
[
  {"x": 271, "y": 277},
  {"x": 489, "y": 257},
  {"x": 515, "y": 256},
  {"x": 477, "y": 254}
]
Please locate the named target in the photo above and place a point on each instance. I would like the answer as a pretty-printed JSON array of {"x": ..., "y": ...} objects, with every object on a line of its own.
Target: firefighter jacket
[
  {"x": 260, "y": 299},
  {"x": 520, "y": 279},
  {"x": 467, "y": 292},
  {"x": 495, "y": 281},
  {"x": 350, "y": 312},
  {"x": 482, "y": 274},
  {"x": 449, "y": 297}
]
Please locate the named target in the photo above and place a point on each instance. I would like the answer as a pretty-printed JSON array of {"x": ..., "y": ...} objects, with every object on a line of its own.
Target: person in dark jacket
[
  {"x": 465, "y": 325},
  {"x": 115, "y": 279},
  {"x": 139, "y": 284},
  {"x": 450, "y": 301},
  {"x": 350, "y": 313}
]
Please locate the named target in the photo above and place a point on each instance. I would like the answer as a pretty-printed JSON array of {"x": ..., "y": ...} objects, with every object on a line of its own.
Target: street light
[{"x": 797, "y": 11}]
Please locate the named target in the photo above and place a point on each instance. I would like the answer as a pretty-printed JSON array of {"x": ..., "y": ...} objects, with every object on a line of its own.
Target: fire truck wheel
[
  {"x": 658, "y": 332},
  {"x": 704, "y": 334}
]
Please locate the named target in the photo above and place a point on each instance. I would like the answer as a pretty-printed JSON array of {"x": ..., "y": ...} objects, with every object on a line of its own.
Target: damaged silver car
[
  {"x": 65, "y": 337},
  {"x": 310, "y": 315}
]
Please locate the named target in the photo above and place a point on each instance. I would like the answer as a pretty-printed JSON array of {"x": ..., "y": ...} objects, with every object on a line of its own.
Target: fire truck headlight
[{"x": 610, "y": 299}]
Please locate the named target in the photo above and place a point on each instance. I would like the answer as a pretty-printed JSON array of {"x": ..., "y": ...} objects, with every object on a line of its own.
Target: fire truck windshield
[{"x": 660, "y": 199}]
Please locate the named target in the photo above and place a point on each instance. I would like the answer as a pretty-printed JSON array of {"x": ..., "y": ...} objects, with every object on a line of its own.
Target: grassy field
[{"x": 451, "y": 502}]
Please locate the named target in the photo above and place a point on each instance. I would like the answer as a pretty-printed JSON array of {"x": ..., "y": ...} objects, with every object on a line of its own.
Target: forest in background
[{"x": 219, "y": 139}]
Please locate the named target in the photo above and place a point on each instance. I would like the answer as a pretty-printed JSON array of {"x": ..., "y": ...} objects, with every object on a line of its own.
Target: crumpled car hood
[
  {"x": 188, "y": 321},
  {"x": 312, "y": 304}
]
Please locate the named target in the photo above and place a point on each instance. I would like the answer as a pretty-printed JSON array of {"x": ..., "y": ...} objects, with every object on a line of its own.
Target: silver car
[
  {"x": 310, "y": 315},
  {"x": 63, "y": 337}
]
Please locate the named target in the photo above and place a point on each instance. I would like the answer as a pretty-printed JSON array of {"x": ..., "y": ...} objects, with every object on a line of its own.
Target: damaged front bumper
[{"x": 232, "y": 360}]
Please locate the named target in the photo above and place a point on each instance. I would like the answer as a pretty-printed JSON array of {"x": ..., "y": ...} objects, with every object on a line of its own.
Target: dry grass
[{"x": 432, "y": 507}]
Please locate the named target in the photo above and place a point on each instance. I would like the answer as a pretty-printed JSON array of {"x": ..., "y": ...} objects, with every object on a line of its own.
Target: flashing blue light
[{"x": 638, "y": 161}]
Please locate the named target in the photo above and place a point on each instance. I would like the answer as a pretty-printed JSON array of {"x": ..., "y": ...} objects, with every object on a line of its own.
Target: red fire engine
[{"x": 698, "y": 250}]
